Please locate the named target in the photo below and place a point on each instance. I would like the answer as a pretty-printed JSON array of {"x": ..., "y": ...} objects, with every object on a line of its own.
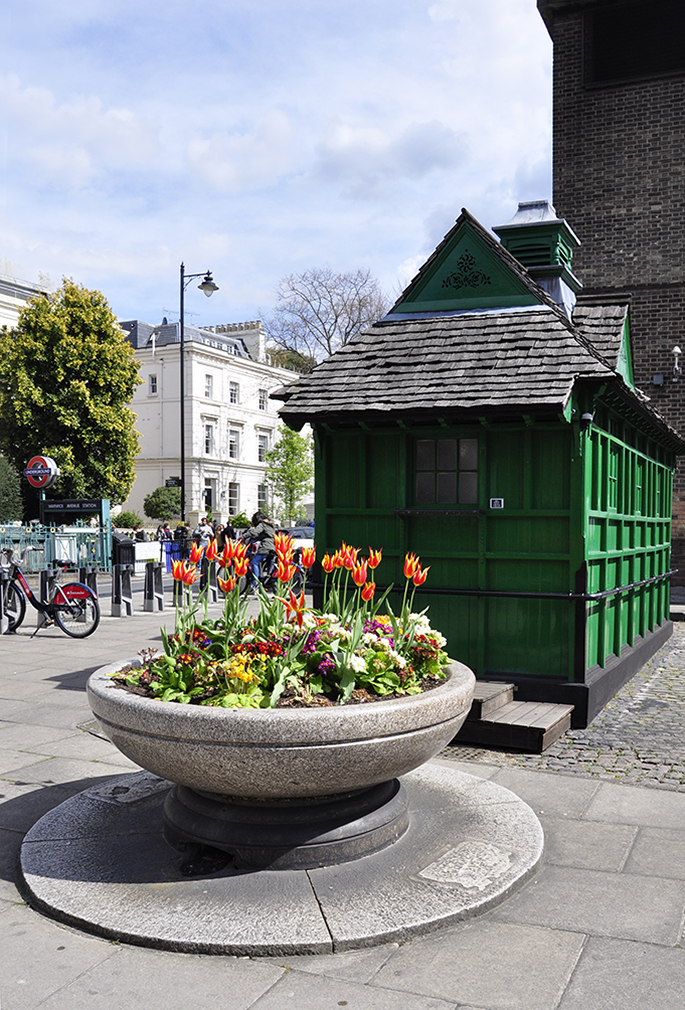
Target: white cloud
[
  {"x": 366, "y": 159},
  {"x": 258, "y": 157}
]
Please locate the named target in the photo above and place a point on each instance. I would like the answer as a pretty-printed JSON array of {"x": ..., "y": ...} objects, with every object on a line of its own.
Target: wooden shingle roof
[{"x": 461, "y": 361}]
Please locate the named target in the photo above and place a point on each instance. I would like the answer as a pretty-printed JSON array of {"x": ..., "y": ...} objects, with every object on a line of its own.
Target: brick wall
[{"x": 619, "y": 180}]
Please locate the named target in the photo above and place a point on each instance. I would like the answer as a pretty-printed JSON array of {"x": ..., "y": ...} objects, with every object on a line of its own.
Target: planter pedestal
[{"x": 287, "y": 835}]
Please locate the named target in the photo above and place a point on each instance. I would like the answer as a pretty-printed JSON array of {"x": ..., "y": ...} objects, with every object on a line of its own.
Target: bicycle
[{"x": 74, "y": 608}]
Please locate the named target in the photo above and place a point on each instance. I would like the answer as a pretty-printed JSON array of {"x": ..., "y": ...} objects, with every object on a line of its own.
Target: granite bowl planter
[{"x": 284, "y": 788}]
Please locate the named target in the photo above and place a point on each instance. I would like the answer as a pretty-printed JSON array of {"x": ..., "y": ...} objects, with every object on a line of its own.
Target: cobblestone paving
[{"x": 638, "y": 738}]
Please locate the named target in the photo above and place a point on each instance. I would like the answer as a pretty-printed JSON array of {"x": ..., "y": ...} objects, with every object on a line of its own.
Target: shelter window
[{"x": 446, "y": 471}]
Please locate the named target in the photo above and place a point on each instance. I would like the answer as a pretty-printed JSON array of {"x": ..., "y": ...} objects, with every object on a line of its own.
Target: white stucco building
[
  {"x": 13, "y": 298},
  {"x": 230, "y": 422}
]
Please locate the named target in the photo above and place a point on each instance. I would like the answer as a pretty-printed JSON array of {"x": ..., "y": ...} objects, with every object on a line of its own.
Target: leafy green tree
[
  {"x": 290, "y": 472},
  {"x": 11, "y": 505},
  {"x": 127, "y": 520},
  {"x": 163, "y": 503},
  {"x": 67, "y": 375}
]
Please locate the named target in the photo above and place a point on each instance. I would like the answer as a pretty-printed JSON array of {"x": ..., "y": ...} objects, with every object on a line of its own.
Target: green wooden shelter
[{"x": 490, "y": 423}]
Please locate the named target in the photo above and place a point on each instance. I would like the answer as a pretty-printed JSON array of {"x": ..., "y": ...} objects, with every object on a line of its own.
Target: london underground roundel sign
[{"x": 41, "y": 472}]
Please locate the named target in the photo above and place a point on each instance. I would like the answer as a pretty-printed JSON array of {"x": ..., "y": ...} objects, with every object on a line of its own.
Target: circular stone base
[
  {"x": 99, "y": 861},
  {"x": 290, "y": 835}
]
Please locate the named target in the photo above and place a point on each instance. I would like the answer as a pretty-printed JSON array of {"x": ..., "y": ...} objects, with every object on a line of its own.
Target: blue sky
[{"x": 260, "y": 139}]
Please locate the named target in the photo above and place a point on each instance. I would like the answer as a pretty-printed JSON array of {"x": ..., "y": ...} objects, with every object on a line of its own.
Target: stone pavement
[{"x": 599, "y": 927}]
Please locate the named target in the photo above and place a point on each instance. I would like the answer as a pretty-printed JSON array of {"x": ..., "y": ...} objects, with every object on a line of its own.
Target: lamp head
[{"x": 208, "y": 285}]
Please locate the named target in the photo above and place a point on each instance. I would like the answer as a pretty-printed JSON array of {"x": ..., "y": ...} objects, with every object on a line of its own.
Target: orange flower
[
  {"x": 241, "y": 566},
  {"x": 211, "y": 553},
  {"x": 419, "y": 576},
  {"x": 411, "y": 565},
  {"x": 286, "y": 570},
  {"x": 284, "y": 546},
  {"x": 338, "y": 559},
  {"x": 359, "y": 573},
  {"x": 226, "y": 585},
  {"x": 328, "y": 563},
  {"x": 368, "y": 591},
  {"x": 350, "y": 557},
  {"x": 308, "y": 556},
  {"x": 375, "y": 557},
  {"x": 294, "y": 606},
  {"x": 195, "y": 554},
  {"x": 190, "y": 575},
  {"x": 176, "y": 570}
]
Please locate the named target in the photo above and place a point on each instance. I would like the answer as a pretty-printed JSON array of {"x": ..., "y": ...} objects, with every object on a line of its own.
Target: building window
[
  {"x": 233, "y": 443},
  {"x": 233, "y": 392},
  {"x": 152, "y": 384},
  {"x": 233, "y": 498},
  {"x": 262, "y": 447},
  {"x": 208, "y": 387},
  {"x": 209, "y": 439},
  {"x": 262, "y": 498},
  {"x": 447, "y": 471},
  {"x": 208, "y": 497},
  {"x": 637, "y": 38},
  {"x": 263, "y": 397}
]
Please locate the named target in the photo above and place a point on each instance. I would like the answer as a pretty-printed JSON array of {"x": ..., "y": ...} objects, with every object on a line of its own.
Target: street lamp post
[{"x": 209, "y": 287}]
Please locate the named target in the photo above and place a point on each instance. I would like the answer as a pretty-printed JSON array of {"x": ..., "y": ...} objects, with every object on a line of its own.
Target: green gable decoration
[{"x": 465, "y": 272}]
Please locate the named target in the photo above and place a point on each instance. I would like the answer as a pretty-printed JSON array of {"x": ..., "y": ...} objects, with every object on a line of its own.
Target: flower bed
[{"x": 355, "y": 649}]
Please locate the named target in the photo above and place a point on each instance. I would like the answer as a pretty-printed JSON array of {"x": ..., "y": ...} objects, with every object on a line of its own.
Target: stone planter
[{"x": 284, "y": 788}]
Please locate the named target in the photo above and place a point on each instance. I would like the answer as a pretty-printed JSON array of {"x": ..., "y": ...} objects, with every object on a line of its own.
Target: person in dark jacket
[{"x": 262, "y": 534}]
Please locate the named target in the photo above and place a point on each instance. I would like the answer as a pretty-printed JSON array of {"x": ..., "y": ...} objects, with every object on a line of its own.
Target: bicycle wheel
[
  {"x": 15, "y": 607},
  {"x": 77, "y": 611}
]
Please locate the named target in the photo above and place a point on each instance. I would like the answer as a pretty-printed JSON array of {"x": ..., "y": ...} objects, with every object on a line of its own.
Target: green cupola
[{"x": 544, "y": 244}]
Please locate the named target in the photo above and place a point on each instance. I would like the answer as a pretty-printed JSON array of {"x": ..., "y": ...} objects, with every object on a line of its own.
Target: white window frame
[
  {"x": 233, "y": 498},
  {"x": 209, "y": 386},
  {"x": 263, "y": 399},
  {"x": 152, "y": 385},
  {"x": 234, "y": 442},
  {"x": 234, "y": 392}
]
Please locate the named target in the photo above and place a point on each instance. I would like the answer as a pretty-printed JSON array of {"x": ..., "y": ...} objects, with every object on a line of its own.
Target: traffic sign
[{"x": 41, "y": 472}]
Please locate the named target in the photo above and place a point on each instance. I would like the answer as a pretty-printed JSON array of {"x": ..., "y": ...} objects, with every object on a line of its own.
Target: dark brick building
[{"x": 619, "y": 178}]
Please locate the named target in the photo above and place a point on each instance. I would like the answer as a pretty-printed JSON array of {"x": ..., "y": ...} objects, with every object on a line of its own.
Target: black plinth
[{"x": 296, "y": 834}]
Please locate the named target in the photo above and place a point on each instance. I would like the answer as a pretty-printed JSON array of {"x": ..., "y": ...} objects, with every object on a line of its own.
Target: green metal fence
[{"x": 43, "y": 545}]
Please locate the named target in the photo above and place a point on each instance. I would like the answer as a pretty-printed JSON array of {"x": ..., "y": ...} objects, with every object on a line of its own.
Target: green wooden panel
[
  {"x": 343, "y": 470},
  {"x": 505, "y": 468},
  {"x": 384, "y": 472},
  {"x": 551, "y": 453},
  {"x": 528, "y": 534},
  {"x": 443, "y": 534},
  {"x": 528, "y": 576},
  {"x": 529, "y": 636}
]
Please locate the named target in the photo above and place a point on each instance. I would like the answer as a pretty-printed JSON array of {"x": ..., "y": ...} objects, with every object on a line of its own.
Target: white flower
[
  {"x": 357, "y": 663},
  {"x": 398, "y": 660}
]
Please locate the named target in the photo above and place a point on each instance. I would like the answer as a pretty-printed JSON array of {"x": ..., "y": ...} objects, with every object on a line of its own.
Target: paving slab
[
  {"x": 39, "y": 957},
  {"x": 157, "y": 980},
  {"x": 487, "y": 964},
  {"x": 623, "y": 804},
  {"x": 657, "y": 852},
  {"x": 549, "y": 794},
  {"x": 620, "y": 975},
  {"x": 350, "y": 966},
  {"x": 303, "y": 991},
  {"x": 586, "y": 844},
  {"x": 620, "y": 905}
]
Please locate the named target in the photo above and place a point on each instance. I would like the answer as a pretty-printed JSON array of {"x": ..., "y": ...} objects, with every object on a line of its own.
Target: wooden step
[
  {"x": 518, "y": 725},
  {"x": 488, "y": 697}
]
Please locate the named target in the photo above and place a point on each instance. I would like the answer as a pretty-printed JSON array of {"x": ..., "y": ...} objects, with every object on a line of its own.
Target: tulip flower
[
  {"x": 375, "y": 557},
  {"x": 211, "y": 553},
  {"x": 226, "y": 585},
  {"x": 368, "y": 591},
  {"x": 176, "y": 570},
  {"x": 359, "y": 574},
  {"x": 328, "y": 563},
  {"x": 240, "y": 567},
  {"x": 286, "y": 570},
  {"x": 419, "y": 576},
  {"x": 411, "y": 565},
  {"x": 195, "y": 555},
  {"x": 308, "y": 556},
  {"x": 189, "y": 576},
  {"x": 338, "y": 559},
  {"x": 294, "y": 606},
  {"x": 284, "y": 546}
]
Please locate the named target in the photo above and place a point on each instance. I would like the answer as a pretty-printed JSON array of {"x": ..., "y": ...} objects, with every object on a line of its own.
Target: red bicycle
[{"x": 74, "y": 608}]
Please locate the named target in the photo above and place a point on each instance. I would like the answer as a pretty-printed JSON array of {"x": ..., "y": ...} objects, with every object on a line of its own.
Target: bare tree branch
[{"x": 318, "y": 311}]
